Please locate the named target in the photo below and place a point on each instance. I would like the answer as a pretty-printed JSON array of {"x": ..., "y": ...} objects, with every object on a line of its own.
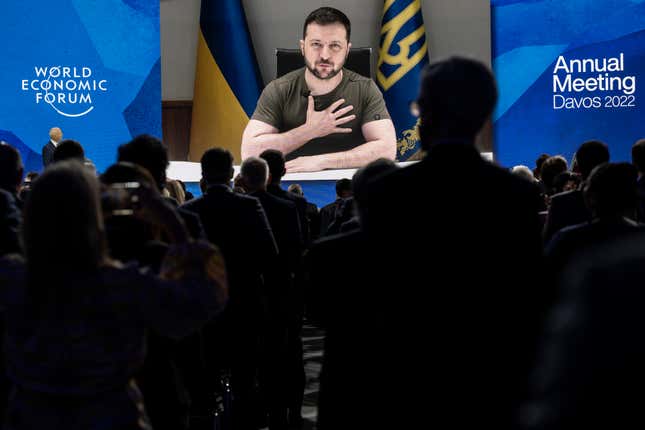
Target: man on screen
[{"x": 322, "y": 116}]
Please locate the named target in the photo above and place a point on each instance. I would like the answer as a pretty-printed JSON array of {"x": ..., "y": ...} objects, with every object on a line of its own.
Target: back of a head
[
  {"x": 638, "y": 155},
  {"x": 276, "y": 162},
  {"x": 255, "y": 173},
  {"x": 69, "y": 149},
  {"x": 566, "y": 181},
  {"x": 523, "y": 172},
  {"x": 551, "y": 168},
  {"x": 366, "y": 174},
  {"x": 344, "y": 188},
  {"x": 217, "y": 166},
  {"x": 127, "y": 172},
  {"x": 176, "y": 191},
  {"x": 63, "y": 224},
  {"x": 610, "y": 189},
  {"x": 589, "y": 155},
  {"x": 296, "y": 189},
  {"x": 11, "y": 168},
  {"x": 538, "y": 165},
  {"x": 148, "y": 152},
  {"x": 457, "y": 96}
]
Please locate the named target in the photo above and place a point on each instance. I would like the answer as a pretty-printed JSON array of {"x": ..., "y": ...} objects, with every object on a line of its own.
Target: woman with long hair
[{"x": 76, "y": 320}]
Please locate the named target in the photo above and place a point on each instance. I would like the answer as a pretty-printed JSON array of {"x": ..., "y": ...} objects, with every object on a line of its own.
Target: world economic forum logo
[{"x": 69, "y": 90}]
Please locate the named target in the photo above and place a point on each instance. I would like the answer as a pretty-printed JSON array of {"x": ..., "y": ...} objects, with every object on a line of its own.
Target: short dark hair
[
  {"x": 275, "y": 160},
  {"x": 343, "y": 187},
  {"x": 551, "y": 168},
  {"x": 457, "y": 96},
  {"x": 611, "y": 189},
  {"x": 591, "y": 154},
  {"x": 11, "y": 167},
  {"x": 638, "y": 155},
  {"x": 68, "y": 149},
  {"x": 148, "y": 152},
  {"x": 217, "y": 166},
  {"x": 367, "y": 174},
  {"x": 327, "y": 16},
  {"x": 254, "y": 171}
]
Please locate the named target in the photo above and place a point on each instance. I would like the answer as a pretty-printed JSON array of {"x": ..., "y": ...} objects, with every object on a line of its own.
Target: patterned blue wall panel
[
  {"x": 81, "y": 65},
  {"x": 538, "y": 111}
]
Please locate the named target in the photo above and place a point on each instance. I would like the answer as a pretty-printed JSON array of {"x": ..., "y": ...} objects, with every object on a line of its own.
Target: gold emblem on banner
[
  {"x": 409, "y": 140},
  {"x": 405, "y": 59}
]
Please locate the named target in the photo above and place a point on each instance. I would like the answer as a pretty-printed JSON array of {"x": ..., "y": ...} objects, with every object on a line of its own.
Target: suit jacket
[
  {"x": 238, "y": 225},
  {"x": 10, "y": 220},
  {"x": 566, "y": 209},
  {"x": 48, "y": 153},
  {"x": 285, "y": 224},
  {"x": 301, "y": 205},
  {"x": 640, "y": 189},
  {"x": 457, "y": 261},
  {"x": 340, "y": 298},
  {"x": 328, "y": 214}
]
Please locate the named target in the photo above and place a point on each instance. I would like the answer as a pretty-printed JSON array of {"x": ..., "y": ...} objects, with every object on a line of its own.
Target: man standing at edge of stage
[{"x": 322, "y": 116}]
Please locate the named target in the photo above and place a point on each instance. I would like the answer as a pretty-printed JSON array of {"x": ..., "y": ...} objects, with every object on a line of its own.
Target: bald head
[{"x": 55, "y": 134}]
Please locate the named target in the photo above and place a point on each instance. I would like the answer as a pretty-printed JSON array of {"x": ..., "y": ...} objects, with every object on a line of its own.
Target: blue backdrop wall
[
  {"x": 91, "y": 68},
  {"x": 568, "y": 71}
]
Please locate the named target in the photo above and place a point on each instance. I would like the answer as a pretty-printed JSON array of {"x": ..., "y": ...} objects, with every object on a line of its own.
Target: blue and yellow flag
[
  {"x": 227, "y": 79},
  {"x": 402, "y": 55}
]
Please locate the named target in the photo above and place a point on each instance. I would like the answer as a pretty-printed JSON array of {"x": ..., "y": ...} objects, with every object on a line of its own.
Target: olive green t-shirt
[{"x": 283, "y": 104}]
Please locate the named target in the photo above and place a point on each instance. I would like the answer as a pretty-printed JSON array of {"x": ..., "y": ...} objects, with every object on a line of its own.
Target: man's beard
[{"x": 332, "y": 72}]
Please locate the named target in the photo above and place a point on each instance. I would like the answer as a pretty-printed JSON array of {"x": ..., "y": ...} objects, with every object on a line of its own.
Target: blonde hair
[{"x": 175, "y": 191}]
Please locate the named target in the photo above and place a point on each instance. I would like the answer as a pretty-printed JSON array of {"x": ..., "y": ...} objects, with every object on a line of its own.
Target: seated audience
[
  {"x": 569, "y": 208},
  {"x": 313, "y": 217}
]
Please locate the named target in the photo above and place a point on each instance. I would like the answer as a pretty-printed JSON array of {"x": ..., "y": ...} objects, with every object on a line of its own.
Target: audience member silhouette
[
  {"x": 450, "y": 250},
  {"x": 76, "y": 320},
  {"x": 238, "y": 225},
  {"x": 283, "y": 219},
  {"x": 590, "y": 372},
  {"x": 638, "y": 160},
  {"x": 328, "y": 212},
  {"x": 551, "y": 168},
  {"x": 611, "y": 197},
  {"x": 569, "y": 208},
  {"x": 313, "y": 217},
  {"x": 295, "y": 382},
  {"x": 11, "y": 170},
  {"x": 151, "y": 154}
]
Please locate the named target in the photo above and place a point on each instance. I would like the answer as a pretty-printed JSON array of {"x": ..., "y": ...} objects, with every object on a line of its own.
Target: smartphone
[{"x": 120, "y": 198}]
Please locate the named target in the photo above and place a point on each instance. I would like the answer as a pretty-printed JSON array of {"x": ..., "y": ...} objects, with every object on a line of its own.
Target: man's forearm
[
  {"x": 359, "y": 156},
  {"x": 285, "y": 142}
]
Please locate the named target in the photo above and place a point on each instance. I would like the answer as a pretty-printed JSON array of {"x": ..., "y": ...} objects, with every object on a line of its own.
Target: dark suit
[
  {"x": 328, "y": 214},
  {"x": 279, "y": 364},
  {"x": 301, "y": 205},
  {"x": 576, "y": 239},
  {"x": 456, "y": 261},
  {"x": 48, "y": 153},
  {"x": 10, "y": 220},
  {"x": 237, "y": 224},
  {"x": 566, "y": 209},
  {"x": 340, "y": 298},
  {"x": 640, "y": 189},
  {"x": 590, "y": 372}
]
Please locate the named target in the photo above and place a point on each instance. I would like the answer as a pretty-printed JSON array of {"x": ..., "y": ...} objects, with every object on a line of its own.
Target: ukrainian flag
[
  {"x": 402, "y": 55},
  {"x": 227, "y": 79}
]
